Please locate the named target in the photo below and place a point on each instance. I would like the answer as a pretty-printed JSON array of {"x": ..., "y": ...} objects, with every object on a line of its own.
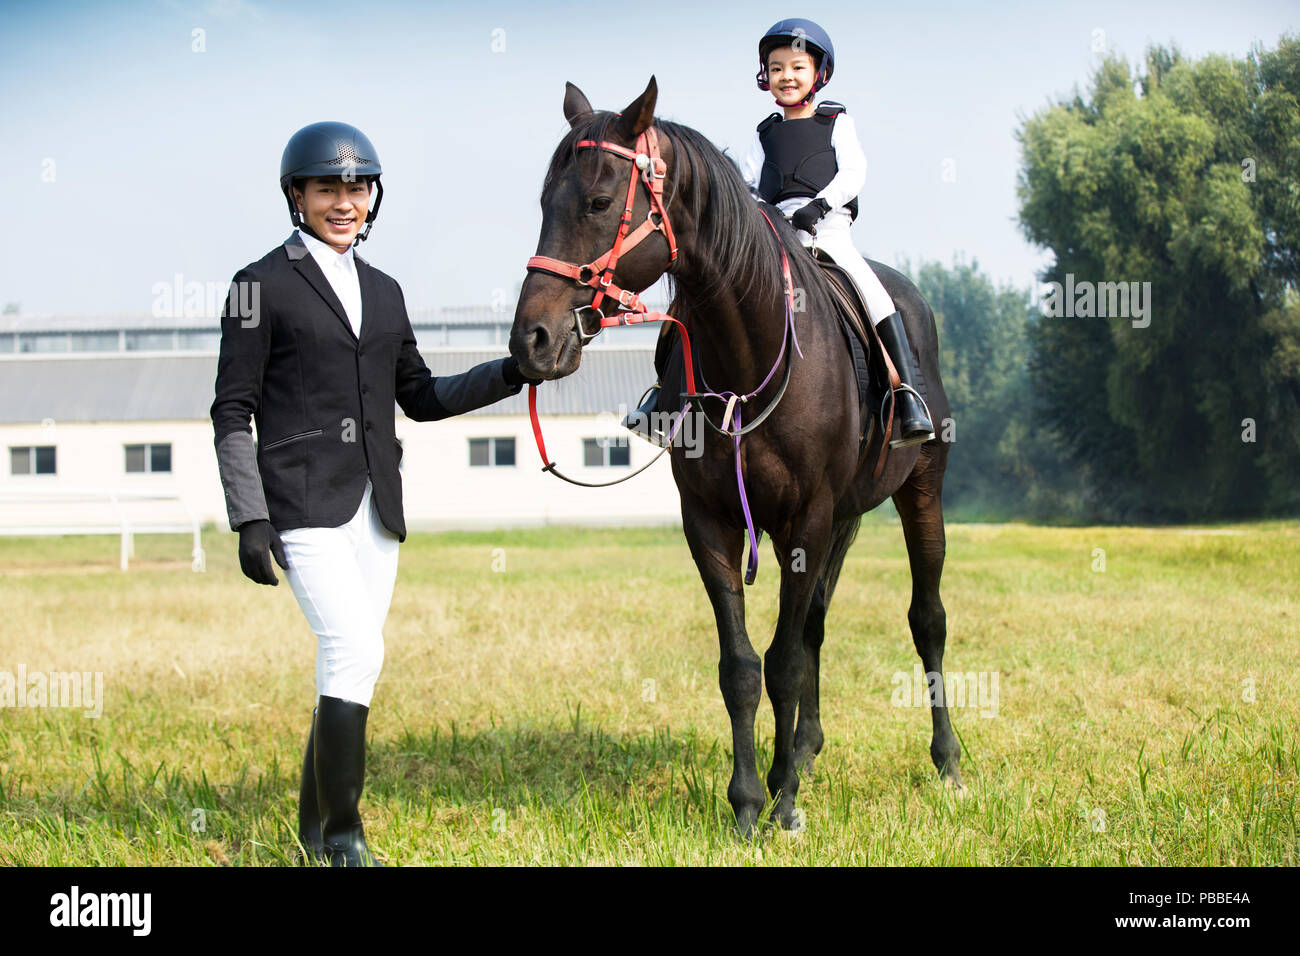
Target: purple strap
[{"x": 751, "y": 571}]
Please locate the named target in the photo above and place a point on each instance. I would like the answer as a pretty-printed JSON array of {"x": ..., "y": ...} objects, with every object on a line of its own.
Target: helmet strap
[
  {"x": 364, "y": 234},
  {"x": 299, "y": 221}
]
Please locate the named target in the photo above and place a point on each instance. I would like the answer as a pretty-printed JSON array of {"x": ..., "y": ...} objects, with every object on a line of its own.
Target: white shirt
[
  {"x": 341, "y": 272},
  {"x": 848, "y": 181}
]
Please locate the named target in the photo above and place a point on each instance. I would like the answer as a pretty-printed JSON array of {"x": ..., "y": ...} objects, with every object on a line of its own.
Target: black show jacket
[{"x": 322, "y": 398}]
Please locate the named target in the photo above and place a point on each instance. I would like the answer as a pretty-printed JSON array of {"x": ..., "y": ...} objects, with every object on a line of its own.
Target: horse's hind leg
[
  {"x": 808, "y": 736},
  {"x": 717, "y": 550},
  {"x": 921, "y": 508}
]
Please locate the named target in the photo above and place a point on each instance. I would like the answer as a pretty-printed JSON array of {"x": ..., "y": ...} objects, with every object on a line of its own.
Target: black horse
[{"x": 805, "y": 484}]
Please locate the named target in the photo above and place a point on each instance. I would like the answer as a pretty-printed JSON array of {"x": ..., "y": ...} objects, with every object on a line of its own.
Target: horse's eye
[{"x": 600, "y": 203}]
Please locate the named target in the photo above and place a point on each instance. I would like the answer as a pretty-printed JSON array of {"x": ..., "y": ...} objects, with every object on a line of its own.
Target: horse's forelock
[{"x": 596, "y": 127}]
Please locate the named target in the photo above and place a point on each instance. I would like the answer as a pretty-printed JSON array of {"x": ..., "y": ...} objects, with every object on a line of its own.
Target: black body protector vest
[{"x": 798, "y": 159}]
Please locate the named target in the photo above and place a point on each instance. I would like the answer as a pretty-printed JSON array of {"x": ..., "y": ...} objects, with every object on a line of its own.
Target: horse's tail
[{"x": 843, "y": 534}]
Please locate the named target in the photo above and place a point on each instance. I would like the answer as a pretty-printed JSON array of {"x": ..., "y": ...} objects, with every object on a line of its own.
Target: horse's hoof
[
  {"x": 747, "y": 826},
  {"x": 787, "y": 819},
  {"x": 956, "y": 788}
]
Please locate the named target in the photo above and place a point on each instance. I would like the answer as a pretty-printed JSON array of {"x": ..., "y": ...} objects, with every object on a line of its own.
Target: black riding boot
[
  {"x": 308, "y": 809},
  {"x": 644, "y": 421},
  {"x": 912, "y": 424},
  {"x": 340, "y": 740}
]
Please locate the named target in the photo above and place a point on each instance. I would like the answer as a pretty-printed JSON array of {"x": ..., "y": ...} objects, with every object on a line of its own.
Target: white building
[{"x": 120, "y": 404}]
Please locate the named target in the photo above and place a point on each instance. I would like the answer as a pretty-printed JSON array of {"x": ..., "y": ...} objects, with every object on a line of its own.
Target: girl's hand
[{"x": 807, "y": 216}]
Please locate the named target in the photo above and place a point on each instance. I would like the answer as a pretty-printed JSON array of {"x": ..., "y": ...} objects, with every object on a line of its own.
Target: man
[{"x": 316, "y": 347}]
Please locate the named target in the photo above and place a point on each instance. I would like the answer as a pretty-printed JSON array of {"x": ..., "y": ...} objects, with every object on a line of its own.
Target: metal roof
[
  {"x": 131, "y": 321},
  {"x": 170, "y": 386},
  {"x": 474, "y": 315}
]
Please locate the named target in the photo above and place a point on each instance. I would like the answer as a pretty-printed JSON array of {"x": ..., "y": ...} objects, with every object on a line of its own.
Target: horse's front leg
[
  {"x": 808, "y": 735},
  {"x": 717, "y": 550},
  {"x": 804, "y": 544}
]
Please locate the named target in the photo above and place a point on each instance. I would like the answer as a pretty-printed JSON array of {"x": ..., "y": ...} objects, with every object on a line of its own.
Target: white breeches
[
  {"x": 834, "y": 239},
  {"x": 343, "y": 579}
]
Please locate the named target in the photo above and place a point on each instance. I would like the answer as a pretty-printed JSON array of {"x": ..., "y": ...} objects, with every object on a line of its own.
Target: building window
[
  {"x": 150, "y": 341},
  {"x": 94, "y": 341},
  {"x": 43, "y": 342},
  {"x": 498, "y": 452},
  {"x": 200, "y": 340},
  {"x": 142, "y": 458},
  {"x": 464, "y": 335},
  {"x": 605, "y": 453},
  {"x": 430, "y": 335},
  {"x": 29, "y": 460}
]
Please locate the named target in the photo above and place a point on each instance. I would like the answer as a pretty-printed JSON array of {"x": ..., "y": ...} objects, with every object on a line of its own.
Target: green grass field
[{"x": 564, "y": 708}]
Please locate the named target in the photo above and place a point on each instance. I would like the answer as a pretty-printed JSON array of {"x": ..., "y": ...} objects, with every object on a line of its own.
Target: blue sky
[{"x": 165, "y": 161}]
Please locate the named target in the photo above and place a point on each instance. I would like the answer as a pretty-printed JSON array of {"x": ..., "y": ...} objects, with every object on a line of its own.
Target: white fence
[{"x": 63, "y": 511}]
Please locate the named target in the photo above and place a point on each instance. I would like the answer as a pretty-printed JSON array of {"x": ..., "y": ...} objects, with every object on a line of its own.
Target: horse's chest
[{"x": 715, "y": 476}]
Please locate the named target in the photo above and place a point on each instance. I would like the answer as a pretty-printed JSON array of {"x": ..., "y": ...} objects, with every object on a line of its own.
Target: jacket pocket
[{"x": 292, "y": 438}]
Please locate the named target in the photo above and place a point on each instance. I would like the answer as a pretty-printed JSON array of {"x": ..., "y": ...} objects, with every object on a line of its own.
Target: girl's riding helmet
[{"x": 790, "y": 33}]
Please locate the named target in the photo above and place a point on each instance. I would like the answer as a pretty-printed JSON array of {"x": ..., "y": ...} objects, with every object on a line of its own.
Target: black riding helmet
[
  {"x": 330, "y": 149},
  {"x": 787, "y": 32}
]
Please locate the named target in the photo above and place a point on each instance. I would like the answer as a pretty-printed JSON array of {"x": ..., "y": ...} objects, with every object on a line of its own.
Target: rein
[{"x": 589, "y": 320}]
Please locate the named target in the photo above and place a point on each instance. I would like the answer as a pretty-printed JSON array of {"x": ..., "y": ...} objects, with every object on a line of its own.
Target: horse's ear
[
  {"x": 640, "y": 113},
  {"x": 576, "y": 105}
]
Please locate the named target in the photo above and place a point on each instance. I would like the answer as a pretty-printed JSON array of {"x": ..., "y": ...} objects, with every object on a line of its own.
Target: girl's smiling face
[
  {"x": 791, "y": 74},
  {"x": 334, "y": 207}
]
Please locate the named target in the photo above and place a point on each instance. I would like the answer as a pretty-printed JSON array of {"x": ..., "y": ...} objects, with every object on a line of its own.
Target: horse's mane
[{"x": 741, "y": 249}]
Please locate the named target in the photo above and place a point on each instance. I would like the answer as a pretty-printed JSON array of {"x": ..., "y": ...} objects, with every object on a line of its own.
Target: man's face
[
  {"x": 335, "y": 208},
  {"x": 790, "y": 74}
]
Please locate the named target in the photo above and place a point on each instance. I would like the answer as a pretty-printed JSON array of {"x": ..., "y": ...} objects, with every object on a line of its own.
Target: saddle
[
  {"x": 875, "y": 372},
  {"x": 873, "y": 369}
]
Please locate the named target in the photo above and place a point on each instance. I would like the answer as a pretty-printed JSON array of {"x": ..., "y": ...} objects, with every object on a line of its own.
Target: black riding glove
[
  {"x": 807, "y": 216},
  {"x": 515, "y": 378},
  {"x": 257, "y": 542}
]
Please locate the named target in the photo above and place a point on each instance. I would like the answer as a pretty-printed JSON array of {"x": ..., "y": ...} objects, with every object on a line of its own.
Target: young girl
[
  {"x": 318, "y": 362},
  {"x": 809, "y": 164}
]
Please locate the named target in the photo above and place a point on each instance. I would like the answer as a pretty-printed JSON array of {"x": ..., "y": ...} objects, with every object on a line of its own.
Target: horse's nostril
[{"x": 538, "y": 338}]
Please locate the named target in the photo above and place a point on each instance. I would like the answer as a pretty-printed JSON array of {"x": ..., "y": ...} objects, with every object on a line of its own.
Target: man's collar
[
  {"x": 297, "y": 248},
  {"x": 294, "y": 245},
  {"x": 318, "y": 248}
]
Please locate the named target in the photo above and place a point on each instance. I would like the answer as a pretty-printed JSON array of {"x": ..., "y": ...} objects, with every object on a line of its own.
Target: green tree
[
  {"x": 1186, "y": 177},
  {"x": 1001, "y": 466}
]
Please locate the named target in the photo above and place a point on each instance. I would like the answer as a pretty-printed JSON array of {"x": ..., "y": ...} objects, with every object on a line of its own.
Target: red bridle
[{"x": 599, "y": 273}]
